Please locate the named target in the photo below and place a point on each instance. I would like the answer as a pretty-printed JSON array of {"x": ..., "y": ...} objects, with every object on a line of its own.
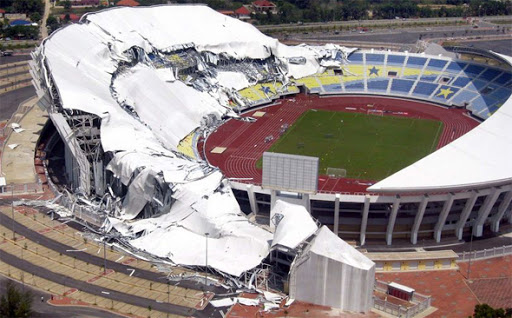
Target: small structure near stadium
[{"x": 330, "y": 272}]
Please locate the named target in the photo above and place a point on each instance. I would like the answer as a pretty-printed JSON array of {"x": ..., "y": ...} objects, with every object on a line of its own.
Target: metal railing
[
  {"x": 420, "y": 303},
  {"x": 20, "y": 188},
  {"x": 486, "y": 253}
]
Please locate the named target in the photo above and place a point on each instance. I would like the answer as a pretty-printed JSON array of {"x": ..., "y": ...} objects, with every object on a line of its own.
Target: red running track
[{"x": 245, "y": 142}]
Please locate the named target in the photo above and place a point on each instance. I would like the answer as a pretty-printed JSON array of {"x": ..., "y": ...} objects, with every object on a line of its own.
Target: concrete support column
[
  {"x": 442, "y": 217},
  {"x": 484, "y": 211},
  {"x": 418, "y": 219},
  {"x": 337, "y": 214},
  {"x": 468, "y": 207},
  {"x": 273, "y": 199},
  {"x": 495, "y": 223},
  {"x": 392, "y": 220},
  {"x": 252, "y": 199},
  {"x": 364, "y": 219},
  {"x": 306, "y": 202}
]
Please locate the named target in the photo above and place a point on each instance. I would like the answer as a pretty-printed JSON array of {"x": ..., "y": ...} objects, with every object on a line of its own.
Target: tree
[
  {"x": 67, "y": 5},
  {"x": 28, "y": 6},
  {"x": 35, "y": 17},
  {"x": 486, "y": 311},
  {"x": 15, "y": 303}
]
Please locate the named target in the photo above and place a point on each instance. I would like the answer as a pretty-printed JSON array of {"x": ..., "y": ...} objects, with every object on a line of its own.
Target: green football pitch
[{"x": 367, "y": 146}]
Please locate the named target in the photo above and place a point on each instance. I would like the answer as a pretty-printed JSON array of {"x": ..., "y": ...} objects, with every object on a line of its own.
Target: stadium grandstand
[{"x": 149, "y": 112}]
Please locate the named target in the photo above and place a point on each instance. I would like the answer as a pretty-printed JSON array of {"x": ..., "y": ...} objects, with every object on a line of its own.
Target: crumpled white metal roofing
[
  {"x": 83, "y": 62},
  {"x": 295, "y": 226},
  {"x": 480, "y": 158}
]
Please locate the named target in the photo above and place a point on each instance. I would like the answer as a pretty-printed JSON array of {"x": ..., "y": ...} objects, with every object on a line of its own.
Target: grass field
[{"x": 367, "y": 146}]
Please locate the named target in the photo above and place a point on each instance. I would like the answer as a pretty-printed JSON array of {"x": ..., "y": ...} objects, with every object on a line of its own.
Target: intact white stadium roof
[{"x": 480, "y": 158}]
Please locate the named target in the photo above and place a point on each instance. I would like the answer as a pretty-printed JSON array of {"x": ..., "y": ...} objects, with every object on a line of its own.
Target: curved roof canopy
[{"x": 479, "y": 159}]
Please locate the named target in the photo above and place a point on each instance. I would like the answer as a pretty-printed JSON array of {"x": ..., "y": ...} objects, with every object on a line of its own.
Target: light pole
[
  {"x": 12, "y": 211},
  {"x": 104, "y": 252},
  {"x": 470, "y": 252},
  {"x": 206, "y": 270},
  {"x": 168, "y": 292}
]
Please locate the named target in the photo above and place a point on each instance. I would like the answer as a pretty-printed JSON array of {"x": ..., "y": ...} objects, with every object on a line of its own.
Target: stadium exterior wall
[{"x": 385, "y": 217}]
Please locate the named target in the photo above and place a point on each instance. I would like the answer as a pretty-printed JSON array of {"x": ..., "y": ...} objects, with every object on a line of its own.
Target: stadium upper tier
[
  {"x": 479, "y": 159},
  {"x": 481, "y": 88}
]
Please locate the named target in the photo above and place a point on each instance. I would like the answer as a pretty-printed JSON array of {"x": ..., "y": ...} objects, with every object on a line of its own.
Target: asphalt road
[
  {"x": 14, "y": 58},
  {"x": 118, "y": 267},
  {"x": 499, "y": 46},
  {"x": 9, "y": 101},
  {"x": 41, "y": 309},
  {"x": 399, "y": 35},
  {"x": 94, "y": 289},
  {"x": 208, "y": 311}
]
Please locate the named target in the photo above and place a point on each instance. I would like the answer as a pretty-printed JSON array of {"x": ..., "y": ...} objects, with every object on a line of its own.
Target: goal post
[
  {"x": 375, "y": 112},
  {"x": 336, "y": 172}
]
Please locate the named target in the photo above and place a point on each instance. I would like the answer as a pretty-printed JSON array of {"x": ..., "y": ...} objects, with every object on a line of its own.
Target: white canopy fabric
[{"x": 480, "y": 158}]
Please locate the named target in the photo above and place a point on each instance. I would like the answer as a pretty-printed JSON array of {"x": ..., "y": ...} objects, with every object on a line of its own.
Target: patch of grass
[{"x": 367, "y": 146}]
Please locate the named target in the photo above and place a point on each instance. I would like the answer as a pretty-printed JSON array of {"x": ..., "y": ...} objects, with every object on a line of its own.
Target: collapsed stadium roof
[
  {"x": 106, "y": 67},
  {"x": 109, "y": 66}
]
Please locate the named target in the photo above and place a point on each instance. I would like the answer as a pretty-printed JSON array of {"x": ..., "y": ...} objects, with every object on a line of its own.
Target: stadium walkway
[{"x": 17, "y": 164}]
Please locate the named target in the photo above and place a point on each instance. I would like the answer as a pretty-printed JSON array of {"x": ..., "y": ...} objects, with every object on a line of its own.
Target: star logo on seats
[
  {"x": 374, "y": 71},
  {"x": 445, "y": 92}
]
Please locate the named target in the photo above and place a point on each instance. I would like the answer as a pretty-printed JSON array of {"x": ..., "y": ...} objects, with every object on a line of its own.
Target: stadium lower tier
[
  {"x": 343, "y": 204},
  {"x": 376, "y": 219}
]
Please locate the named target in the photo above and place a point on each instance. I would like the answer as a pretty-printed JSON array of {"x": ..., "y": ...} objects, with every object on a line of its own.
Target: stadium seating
[{"x": 438, "y": 79}]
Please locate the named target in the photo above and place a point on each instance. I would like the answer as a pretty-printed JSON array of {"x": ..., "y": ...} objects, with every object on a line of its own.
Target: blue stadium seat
[
  {"x": 464, "y": 97},
  {"x": 461, "y": 81},
  {"x": 493, "y": 108},
  {"x": 428, "y": 78},
  {"x": 473, "y": 70},
  {"x": 416, "y": 62},
  {"x": 356, "y": 57},
  {"x": 378, "y": 85},
  {"x": 401, "y": 86},
  {"x": 455, "y": 67},
  {"x": 503, "y": 79},
  {"x": 478, "y": 105},
  {"x": 396, "y": 60},
  {"x": 484, "y": 113},
  {"x": 436, "y": 65},
  {"x": 424, "y": 89},
  {"x": 333, "y": 88},
  {"x": 501, "y": 94},
  {"x": 355, "y": 86},
  {"x": 476, "y": 85},
  {"x": 372, "y": 58},
  {"x": 489, "y": 74}
]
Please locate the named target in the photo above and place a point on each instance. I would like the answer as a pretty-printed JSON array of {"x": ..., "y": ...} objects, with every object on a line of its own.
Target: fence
[
  {"x": 420, "y": 303},
  {"x": 486, "y": 253},
  {"x": 20, "y": 188}
]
